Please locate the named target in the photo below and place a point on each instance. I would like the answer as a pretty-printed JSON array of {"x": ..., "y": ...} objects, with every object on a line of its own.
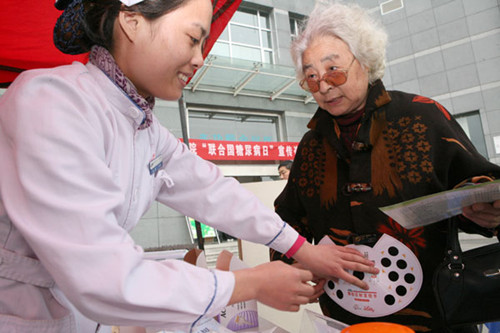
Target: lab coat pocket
[
  {"x": 27, "y": 303},
  {"x": 40, "y": 314},
  {"x": 17, "y": 324}
]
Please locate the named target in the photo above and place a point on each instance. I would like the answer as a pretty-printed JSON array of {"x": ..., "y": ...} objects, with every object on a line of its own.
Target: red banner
[{"x": 243, "y": 150}]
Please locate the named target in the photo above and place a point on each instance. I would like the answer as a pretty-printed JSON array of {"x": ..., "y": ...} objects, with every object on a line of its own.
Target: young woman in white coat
[{"x": 83, "y": 157}]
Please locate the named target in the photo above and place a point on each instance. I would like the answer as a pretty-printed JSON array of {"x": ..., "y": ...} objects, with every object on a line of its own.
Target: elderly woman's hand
[
  {"x": 485, "y": 214},
  {"x": 331, "y": 262}
]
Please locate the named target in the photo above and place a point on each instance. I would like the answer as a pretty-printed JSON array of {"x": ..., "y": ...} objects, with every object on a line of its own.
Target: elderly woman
[{"x": 367, "y": 148}]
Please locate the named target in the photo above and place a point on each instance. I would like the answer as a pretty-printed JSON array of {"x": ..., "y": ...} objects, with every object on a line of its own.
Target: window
[
  {"x": 471, "y": 124},
  {"x": 390, "y": 6},
  {"x": 232, "y": 125},
  {"x": 295, "y": 25},
  {"x": 247, "y": 36}
]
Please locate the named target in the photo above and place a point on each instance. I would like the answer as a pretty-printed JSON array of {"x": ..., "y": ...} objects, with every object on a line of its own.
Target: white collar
[{"x": 131, "y": 2}]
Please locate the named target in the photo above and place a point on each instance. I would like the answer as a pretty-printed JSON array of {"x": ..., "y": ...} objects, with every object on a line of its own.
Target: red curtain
[
  {"x": 26, "y": 35},
  {"x": 223, "y": 11}
]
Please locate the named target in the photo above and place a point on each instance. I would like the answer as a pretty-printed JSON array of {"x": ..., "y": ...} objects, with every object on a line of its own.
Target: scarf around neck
[{"x": 101, "y": 58}]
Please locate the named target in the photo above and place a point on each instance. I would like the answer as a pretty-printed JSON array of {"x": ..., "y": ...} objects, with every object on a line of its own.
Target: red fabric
[
  {"x": 26, "y": 35},
  {"x": 223, "y": 11},
  {"x": 26, "y": 38}
]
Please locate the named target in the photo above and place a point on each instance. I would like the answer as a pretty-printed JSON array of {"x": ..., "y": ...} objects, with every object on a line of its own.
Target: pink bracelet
[{"x": 295, "y": 247}]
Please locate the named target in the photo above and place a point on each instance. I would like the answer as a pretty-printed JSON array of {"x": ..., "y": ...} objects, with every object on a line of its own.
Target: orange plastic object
[{"x": 377, "y": 328}]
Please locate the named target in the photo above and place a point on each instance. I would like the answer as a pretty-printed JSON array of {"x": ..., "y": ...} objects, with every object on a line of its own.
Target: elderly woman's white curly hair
[{"x": 365, "y": 37}]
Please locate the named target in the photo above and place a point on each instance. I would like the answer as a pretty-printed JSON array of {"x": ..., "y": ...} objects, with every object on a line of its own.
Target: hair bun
[
  {"x": 69, "y": 33},
  {"x": 62, "y": 4}
]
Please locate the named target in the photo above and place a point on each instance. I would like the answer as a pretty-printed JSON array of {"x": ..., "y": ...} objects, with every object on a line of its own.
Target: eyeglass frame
[{"x": 344, "y": 71}]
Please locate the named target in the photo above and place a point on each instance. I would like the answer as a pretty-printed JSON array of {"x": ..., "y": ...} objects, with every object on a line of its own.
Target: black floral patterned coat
[{"x": 407, "y": 146}]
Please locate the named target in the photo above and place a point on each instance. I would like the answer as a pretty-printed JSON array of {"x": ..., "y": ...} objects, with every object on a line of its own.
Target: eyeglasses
[{"x": 335, "y": 78}]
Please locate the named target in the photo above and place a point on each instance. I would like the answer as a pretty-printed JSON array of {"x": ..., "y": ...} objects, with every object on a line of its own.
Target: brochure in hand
[{"x": 435, "y": 207}]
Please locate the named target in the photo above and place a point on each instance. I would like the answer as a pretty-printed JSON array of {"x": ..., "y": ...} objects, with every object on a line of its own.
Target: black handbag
[{"x": 467, "y": 284}]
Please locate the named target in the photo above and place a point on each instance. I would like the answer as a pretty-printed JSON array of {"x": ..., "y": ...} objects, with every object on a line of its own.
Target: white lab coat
[{"x": 74, "y": 181}]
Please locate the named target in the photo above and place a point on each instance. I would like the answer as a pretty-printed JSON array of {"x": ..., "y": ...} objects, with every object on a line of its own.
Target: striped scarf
[{"x": 101, "y": 58}]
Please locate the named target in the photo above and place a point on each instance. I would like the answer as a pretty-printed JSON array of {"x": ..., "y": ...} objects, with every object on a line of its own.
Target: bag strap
[{"x": 454, "y": 251}]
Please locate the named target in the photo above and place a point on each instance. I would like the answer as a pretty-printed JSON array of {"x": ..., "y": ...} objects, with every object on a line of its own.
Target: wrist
[
  {"x": 304, "y": 252},
  {"x": 295, "y": 247},
  {"x": 246, "y": 285}
]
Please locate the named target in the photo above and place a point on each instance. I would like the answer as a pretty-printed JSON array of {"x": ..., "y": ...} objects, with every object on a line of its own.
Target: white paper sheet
[
  {"x": 439, "y": 206},
  {"x": 313, "y": 322}
]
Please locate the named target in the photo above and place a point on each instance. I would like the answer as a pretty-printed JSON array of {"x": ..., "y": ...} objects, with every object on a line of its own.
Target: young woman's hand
[
  {"x": 275, "y": 284},
  {"x": 317, "y": 282}
]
